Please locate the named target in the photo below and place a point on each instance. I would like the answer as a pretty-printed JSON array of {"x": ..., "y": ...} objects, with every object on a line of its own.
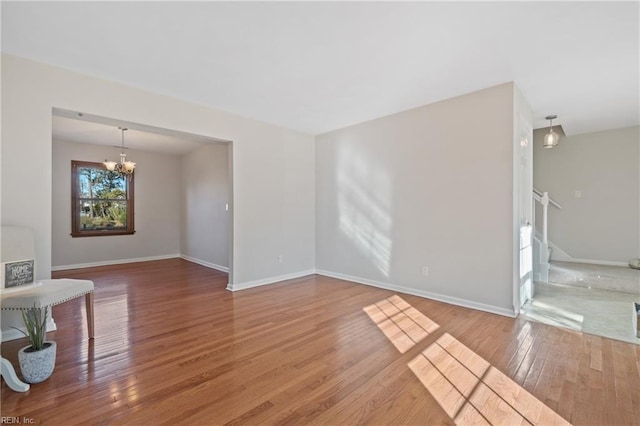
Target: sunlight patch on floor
[
  {"x": 403, "y": 324},
  {"x": 563, "y": 312},
  {"x": 471, "y": 391},
  {"x": 467, "y": 387},
  {"x": 553, "y": 315}
]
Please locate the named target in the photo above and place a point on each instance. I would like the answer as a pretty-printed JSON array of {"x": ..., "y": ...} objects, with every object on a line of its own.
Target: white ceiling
[{"x": 316, "y": 67}]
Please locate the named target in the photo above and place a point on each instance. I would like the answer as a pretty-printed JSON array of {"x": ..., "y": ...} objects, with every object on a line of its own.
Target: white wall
[
  {"x": 604, "y": 224},
  {"x": 427, "y": 187},
  {"x": 204, "y": 224},
  {"x": 157, "y": 208},
  {"x": 273, "y": 167}
]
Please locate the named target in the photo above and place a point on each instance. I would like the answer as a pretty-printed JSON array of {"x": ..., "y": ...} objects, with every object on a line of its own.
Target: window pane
[
  {"x": 101, "y": 215},
  {"x": 103, "y": 201},
  {"x": 98, "y": 183}
]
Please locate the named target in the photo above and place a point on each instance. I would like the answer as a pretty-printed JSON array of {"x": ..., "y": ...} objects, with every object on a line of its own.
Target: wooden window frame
[{"x": 75, "y": 197}]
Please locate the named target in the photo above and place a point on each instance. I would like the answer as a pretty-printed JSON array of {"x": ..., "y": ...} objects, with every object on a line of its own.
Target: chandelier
[{"x": 124, "y": 167}]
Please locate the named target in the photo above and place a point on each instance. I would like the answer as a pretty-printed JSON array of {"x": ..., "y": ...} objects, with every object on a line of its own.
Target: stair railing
[{"x": 544, "y": 200}]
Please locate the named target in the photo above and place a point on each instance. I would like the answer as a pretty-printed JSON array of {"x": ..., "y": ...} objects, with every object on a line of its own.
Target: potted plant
[{"x": 39, "y": 358}]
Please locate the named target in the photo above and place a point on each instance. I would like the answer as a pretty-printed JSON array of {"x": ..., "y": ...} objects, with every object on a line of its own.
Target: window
[{"x": 101, "y": 201}]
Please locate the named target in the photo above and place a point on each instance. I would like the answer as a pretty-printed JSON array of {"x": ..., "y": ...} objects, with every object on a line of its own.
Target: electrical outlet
[
  {"x": 425, "y": 271},
  {"x": 280, "y": 259}
]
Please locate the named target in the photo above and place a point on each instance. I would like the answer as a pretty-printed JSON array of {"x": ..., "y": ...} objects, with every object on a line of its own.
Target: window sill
[{"x": 100, "y": 233}]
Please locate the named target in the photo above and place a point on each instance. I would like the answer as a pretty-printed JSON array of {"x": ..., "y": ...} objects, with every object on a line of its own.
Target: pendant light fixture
[
  {"x": 124, "y": 167},
  {"x": 551, "y": 138}
]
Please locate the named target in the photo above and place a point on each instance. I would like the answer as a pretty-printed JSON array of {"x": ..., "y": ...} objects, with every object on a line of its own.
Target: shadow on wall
[{"x": 364, "y": 215}]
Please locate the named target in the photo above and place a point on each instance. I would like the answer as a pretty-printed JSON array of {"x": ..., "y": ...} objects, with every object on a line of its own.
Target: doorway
[
  {"x": 183, "y": 197},
  {"x": 584, "y": 186}
]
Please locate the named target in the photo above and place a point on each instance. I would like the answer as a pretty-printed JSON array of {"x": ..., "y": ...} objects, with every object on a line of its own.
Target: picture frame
[{"x": 17, "y": 273}]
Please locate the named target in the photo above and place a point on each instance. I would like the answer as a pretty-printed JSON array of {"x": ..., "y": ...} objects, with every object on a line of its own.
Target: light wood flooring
[{"x": 173, "y": 346}]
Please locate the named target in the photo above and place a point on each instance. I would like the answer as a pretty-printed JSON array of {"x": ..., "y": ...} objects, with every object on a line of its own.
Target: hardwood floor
[{"x": 173, "y": 346}]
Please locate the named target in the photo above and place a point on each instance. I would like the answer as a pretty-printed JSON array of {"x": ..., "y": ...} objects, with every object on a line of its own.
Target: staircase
[{"x": 541, "y": 248}]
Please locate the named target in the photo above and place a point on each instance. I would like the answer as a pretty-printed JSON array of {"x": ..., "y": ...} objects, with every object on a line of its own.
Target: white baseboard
[
  {"x": 205, "y": 263},
  {"x": 598, "y": 262},
  {"x": 113, "y": 262},
  {"x": 426, "y": 294},
  {"x": 271, "y": 280},
  {"x": 562, "y": 256}
]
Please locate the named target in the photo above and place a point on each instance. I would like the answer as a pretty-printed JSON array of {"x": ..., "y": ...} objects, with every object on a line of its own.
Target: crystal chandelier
[{"x": 124, "y": 167}]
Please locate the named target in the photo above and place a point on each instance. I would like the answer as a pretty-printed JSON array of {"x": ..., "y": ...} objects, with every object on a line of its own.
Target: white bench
[
  {"x": 17, "y": 243},
  {"x": 47, "y": 293}
]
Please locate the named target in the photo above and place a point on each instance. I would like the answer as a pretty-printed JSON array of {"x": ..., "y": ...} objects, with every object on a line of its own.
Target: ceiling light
[
  {"x": 551, "y": 138},
  {"x": 124, "y": 167}
]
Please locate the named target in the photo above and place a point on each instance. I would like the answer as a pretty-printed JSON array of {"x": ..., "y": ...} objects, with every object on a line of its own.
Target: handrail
[
  {"x": 543, "y": 198},
  {"x": 537, "y": 195}
]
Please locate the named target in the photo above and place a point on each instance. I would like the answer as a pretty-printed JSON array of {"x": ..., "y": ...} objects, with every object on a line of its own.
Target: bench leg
[
  {"x": 89, "y": 309},
  {"x": 9, "y": 374}
]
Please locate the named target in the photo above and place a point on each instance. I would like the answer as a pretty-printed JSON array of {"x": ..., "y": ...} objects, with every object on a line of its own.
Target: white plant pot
[{"x": 37, "y": 366}]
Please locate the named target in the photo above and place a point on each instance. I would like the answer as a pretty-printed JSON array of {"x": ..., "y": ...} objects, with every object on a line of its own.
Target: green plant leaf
[{"x": 36, "y": 326}]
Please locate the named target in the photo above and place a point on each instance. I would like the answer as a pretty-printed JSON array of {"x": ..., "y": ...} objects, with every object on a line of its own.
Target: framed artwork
[{"x": 17, "y": 273}]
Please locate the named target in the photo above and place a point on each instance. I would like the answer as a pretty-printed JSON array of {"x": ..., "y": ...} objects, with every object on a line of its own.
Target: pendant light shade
[{"x": 551, "y": 138}]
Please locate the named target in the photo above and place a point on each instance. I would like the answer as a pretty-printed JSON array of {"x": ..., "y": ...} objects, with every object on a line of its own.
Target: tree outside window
[{"x": 101, "y": 201}]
